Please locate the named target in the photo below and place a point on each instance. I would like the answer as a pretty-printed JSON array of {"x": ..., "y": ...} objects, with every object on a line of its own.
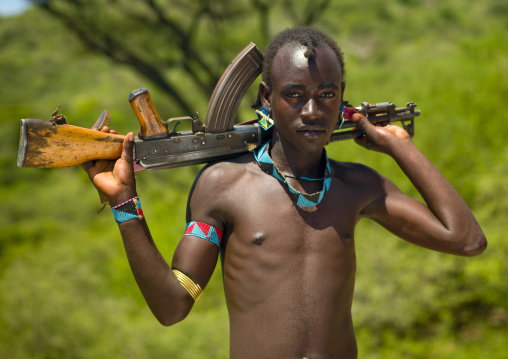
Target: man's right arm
[{"x": 168, "y": 300}]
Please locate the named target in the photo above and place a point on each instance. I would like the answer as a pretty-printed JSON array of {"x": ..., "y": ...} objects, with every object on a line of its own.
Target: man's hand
[
  {"x": 115, "y": 179},
  {"x": 380, "y": 138}
]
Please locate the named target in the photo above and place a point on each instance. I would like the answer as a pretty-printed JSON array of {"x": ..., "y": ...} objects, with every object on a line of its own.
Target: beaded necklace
[{"x": 266, "y": 164}]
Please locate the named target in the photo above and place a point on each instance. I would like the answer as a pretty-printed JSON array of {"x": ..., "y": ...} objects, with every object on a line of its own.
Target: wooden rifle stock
[{"x": 43, "y": 144}]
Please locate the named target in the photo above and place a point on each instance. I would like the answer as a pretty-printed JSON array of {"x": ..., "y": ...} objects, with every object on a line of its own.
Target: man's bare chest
[{"x": 264, "y": 215}]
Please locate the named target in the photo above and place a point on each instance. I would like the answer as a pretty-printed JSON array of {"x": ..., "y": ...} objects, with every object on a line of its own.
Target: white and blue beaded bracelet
[{"x": 127, "y": 210}]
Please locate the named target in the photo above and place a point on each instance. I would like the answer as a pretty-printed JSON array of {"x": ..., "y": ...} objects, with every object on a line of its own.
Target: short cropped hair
[{"x": 308, "y": 36}]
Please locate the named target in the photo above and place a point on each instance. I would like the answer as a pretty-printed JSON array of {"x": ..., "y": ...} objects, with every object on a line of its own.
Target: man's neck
[{"x": 293, "y": 161}]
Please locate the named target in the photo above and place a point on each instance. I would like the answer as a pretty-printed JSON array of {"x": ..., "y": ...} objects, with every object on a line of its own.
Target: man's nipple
[{"x": 258, "y": 238}]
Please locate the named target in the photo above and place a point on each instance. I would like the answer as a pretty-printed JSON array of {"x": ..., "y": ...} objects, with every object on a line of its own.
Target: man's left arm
[{"x": 446, "y": 224}]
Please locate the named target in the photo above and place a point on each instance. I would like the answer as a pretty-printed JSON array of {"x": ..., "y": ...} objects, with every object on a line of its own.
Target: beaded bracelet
[{"x": 128, "y": 210}]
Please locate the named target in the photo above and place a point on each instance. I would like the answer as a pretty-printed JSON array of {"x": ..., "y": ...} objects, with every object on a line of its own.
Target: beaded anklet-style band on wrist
[
  {"x": 128, "y": 210},
  {"x": 194, "y": 289}
]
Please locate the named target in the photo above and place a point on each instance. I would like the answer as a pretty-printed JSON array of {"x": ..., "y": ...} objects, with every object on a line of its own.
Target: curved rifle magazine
[{"x": 231, "y": 88}]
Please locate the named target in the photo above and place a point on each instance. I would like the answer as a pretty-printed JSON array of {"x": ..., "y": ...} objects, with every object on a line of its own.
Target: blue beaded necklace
[{"x": 266, "y": 164}]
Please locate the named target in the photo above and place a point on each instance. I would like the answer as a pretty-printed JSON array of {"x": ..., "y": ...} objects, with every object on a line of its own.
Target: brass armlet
[{"x": 194, "y": 289}]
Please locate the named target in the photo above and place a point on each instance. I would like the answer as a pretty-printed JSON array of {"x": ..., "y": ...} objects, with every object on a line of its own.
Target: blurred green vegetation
[{"x": 66, "y": 290}]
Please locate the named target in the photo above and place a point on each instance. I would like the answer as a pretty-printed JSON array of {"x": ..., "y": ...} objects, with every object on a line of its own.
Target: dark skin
[{"x": 289, "y": 271}]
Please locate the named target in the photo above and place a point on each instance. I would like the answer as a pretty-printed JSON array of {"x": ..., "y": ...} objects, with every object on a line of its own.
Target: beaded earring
[
  {"x": 346, "y": 112},
  {"x": 341, "y": 115},
  {"x": 264, "y": 119}
]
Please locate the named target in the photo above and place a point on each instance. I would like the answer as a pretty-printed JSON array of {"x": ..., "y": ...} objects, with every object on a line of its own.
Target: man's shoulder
[
  {"x": 354, "y": 172},
  {"x": 214, "y": 188},
  {"x": 346, "y": 168},
  {"x": 222, "y": 174}
]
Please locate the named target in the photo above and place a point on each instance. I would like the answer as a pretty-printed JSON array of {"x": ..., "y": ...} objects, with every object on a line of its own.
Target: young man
[{"x": 288, "y": 257}]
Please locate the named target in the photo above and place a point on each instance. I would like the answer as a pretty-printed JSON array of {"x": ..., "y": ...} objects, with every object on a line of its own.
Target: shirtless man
[{"x": 289, "y": 265}]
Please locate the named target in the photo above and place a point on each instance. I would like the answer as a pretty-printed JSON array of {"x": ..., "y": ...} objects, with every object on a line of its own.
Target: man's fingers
[
  {"x": 361, "y": 120},
  {"x": 99, "y": 166},
  {"x": 88, "y": 164},
  {"x": 364, "y": 124},
  {"x": 128, "y": 148},
  {"x": 363, "y": 141}
]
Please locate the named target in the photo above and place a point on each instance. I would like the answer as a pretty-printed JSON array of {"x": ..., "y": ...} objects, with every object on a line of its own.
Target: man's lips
[{"x": 313, "y": 130}]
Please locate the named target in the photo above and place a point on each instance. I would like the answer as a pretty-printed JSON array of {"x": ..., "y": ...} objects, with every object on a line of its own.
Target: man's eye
[
  {"x": 328, "y": 94},
  {"x": 294, "y": 94}
]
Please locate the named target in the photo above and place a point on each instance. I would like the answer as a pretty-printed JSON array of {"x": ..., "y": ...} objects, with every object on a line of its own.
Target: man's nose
[{"x": 310, "y": 111}]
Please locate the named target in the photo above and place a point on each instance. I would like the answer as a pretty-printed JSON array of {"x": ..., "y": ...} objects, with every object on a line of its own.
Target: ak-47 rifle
[{"x": 53, "y": 144}]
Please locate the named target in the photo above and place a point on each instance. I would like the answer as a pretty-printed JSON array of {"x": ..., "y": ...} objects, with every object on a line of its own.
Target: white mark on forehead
[{"x": 298, "y": 57}]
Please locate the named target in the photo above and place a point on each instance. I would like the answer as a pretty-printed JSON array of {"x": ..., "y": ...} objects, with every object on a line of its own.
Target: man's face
[{"x": 306, "y": 96}]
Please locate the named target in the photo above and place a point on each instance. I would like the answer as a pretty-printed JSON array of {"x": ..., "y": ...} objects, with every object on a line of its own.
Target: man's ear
[
  {"x": 343, "y": 87},
  {"x": 265, "y": 94}
]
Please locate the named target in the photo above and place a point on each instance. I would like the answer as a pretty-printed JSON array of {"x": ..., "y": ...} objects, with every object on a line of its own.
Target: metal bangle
[{"x": 194, "y": 289}]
